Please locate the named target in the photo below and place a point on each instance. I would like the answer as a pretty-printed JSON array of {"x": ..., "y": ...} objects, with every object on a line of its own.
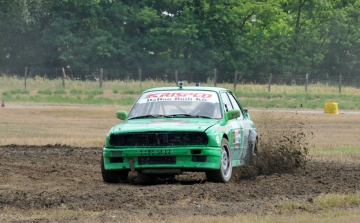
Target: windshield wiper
[
  {"x": 171, "y": 116},
  {"x": 189, "y": 115},
  {"x": 151, "y": 116},
  {"x": 184, "y": 114}
]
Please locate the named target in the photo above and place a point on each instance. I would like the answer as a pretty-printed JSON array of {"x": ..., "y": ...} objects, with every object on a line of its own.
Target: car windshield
[{"x": 180, "y": 104}]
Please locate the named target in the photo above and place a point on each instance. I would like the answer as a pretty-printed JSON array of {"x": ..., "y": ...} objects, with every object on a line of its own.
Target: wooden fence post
[
  {"x": 139, "y": 71},
  {"x": 101, "y": 76},
  {"x": 105, "y": 74},
  {"x": 340, "y": 84},
  {"x": 235, "y": 80},
  {"x": 26, "y": 70},
  {"x": 215, "y": 77},
  {"x": 176, "y": 77},
  {"x": 307, "y": 82},
  {"x": 63, "y": 77},
  {"x": 270, "y": 78}
]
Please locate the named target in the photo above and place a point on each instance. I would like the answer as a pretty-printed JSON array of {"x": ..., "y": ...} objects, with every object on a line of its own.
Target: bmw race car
[{"x": 171, "y": 130}]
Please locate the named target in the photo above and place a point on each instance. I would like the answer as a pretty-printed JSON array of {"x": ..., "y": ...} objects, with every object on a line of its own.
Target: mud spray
[{"x": 283, "y": 145}]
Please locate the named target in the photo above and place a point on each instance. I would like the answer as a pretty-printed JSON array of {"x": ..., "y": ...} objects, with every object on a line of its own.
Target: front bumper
[{"x": 185, "y": 158}]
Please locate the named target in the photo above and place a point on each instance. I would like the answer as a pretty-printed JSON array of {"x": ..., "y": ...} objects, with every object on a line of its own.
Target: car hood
[{"x": 169, "y": 125}]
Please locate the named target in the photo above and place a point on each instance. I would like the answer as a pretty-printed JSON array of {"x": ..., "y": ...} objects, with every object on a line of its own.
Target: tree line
[{"x": 194, "y": 37}]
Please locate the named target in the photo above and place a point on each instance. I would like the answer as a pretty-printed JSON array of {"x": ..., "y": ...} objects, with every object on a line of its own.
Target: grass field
[{"x": 125, "y": 93}]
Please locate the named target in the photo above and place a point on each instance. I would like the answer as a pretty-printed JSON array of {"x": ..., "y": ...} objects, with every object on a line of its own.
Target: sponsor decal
[
  {"x": 217, "y": 140},
  {"x": 204, "y": 96},
  {"x": 225, "y": 128},
  {"x": 236, "y": 138},
  {"x": 179, "y": 95},
  {"x": 234, "y": 125}
]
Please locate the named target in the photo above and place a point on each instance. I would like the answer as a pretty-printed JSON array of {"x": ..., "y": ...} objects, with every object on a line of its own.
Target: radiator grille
[{"x": 159, "y": 139}]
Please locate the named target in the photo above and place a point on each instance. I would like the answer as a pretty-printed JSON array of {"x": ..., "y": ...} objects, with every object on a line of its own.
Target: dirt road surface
[
  {"x": 63, "y": 177},
  {"x": 45, "y": 177}
]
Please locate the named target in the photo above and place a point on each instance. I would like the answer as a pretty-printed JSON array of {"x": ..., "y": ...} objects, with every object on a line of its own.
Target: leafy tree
[
  {"x": 286, "y": 38},
  {"x": 20, "y": 34}
]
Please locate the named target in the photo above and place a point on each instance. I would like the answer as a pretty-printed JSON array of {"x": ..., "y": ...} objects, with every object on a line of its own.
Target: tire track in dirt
[{"x": 58, "y": 175}]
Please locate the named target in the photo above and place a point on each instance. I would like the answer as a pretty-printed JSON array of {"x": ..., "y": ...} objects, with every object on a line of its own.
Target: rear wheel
[
  {"x": 253, "y": 154},
  {"x": 113, "y": 176},
  {"x": 222, "y": 175}
]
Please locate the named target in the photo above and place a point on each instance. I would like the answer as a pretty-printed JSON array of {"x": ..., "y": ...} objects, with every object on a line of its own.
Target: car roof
[{"x": 191, "y": 88}]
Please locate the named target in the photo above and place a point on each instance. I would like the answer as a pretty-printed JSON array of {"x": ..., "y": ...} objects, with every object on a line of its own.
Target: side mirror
[
  {"x": 246, "y": 114},
  {"x": 231, "y": 114},
  {"x": 122, "y": 115}
]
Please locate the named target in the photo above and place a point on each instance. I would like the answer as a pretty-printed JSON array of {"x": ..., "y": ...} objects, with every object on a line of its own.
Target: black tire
[
  {"x": 123, "y": 176},
  {"x": 113, "y": 176},
  {"x": 253, "y": 154},
  {"x": 223, "y": 175}
]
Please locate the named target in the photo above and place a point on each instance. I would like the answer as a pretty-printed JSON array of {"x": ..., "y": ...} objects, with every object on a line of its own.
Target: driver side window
[
  {"x": 235, "y": 105},
  {"x": 230, "y": 103},
  {"x": 226, "y": 101}
]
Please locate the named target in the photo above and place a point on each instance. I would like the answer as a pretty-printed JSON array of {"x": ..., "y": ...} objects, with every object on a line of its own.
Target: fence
[{"x": 101, "y": 75}]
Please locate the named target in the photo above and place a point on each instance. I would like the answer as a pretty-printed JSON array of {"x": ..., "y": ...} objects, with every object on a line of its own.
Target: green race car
[{"x": 172, "y": 130}]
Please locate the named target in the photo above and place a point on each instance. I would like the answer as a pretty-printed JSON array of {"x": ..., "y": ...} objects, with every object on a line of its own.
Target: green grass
[
  {"x": 298, "y": 100},
  {"x": 60, "y": 91},
  {"x": 323, "y": 202},
  {"x": 327, "y": 201},
  {"x": 293, "y": 205},
  {"x": 343, "y": 154},
  {"x": 131, "y": 91},
  {"x": 47, "y": 92},
  {"x": 125, "y": 93},
  {"x": 15, "y": 92},
  {"x": 79, "y": 99},
  {"x": 95, "y": 92},
  {"x": 76, "y": 91},
  {"x": 63, "y": 214}
]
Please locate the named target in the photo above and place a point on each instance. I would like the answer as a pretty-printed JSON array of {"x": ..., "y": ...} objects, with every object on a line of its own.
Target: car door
[
  {"x": 236, "y": 136},
  {"x": 245, "y": 154}
]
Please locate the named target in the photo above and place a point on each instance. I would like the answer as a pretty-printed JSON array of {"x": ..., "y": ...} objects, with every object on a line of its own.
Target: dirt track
[
  {"x": 61, "y": 177},
  {"x": 38, "y": 177}
]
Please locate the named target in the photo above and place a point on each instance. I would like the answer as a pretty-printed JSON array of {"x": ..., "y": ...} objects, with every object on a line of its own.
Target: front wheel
[
  {"x": 222, "y": 175},
  {"x": 113, "y": 176}
]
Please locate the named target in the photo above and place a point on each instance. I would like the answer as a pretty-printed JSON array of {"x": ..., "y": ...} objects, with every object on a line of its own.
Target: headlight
[
  {"x": 129, "y": 139},
  {"x": 187, "y": 139},
  {"x": 116, "y": 140},
  {"x": 200, "y": 139}
]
